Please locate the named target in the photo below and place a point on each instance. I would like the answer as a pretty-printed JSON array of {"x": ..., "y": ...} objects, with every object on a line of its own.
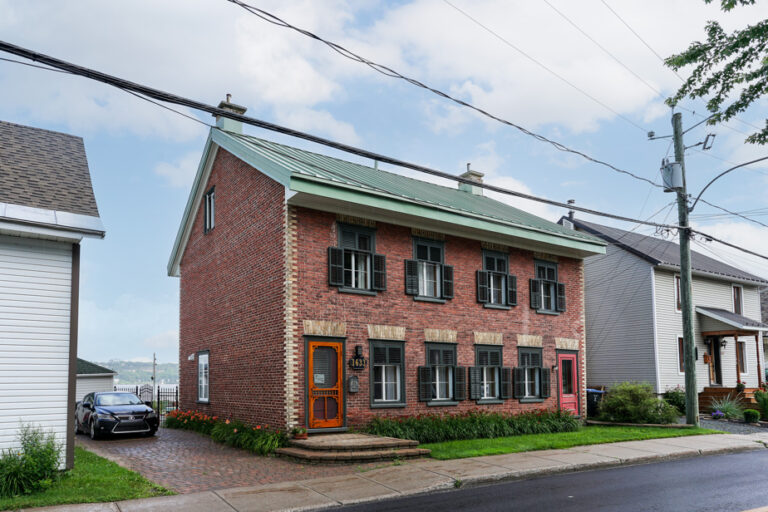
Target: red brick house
[{"x": 320, "y": 292}]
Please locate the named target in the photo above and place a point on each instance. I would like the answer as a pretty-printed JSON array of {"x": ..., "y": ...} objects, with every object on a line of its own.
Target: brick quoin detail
[{"x": 248, "y": 286}]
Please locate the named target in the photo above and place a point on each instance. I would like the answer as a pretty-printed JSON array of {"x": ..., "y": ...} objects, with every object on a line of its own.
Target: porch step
[
  {"x": 747, "y": 397},
  {"x": 351, "y": 442},
  {"x": 317, "y": 456},
  {"x": 344, "y": 448}
]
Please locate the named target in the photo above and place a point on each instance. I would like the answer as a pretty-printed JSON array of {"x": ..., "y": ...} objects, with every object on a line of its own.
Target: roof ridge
[{"x": 41, "y": 129}]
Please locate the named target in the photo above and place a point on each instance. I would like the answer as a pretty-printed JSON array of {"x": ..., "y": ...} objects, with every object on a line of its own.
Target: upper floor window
[
  {"x": 678, "y": 296},
  {"x": 353, "y": 265},
  {"x": 426, "y": 276},
  {"x": 738, "y": 300},
  {"x": 209, "y": 210},
  {"x": 441, "y": 379},
  {"x": 547, "y": 294},
  {"x": 495, "y": 286}
]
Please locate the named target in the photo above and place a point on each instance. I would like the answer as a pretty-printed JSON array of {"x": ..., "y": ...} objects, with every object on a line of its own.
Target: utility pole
[{"x": 691, "y": 396}]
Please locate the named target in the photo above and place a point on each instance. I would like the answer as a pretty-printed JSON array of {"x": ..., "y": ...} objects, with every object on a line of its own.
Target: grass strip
[
  {"x": 93, "y": 479},
  {"x": 526, "y": 443}
]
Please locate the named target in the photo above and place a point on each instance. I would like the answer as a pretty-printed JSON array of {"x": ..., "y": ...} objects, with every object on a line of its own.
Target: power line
[
  {"x": 734, "y": 213},
  {"x": 542, "y": 66},
  {"x": 144, "y": 91},
  {"x": 387, "y": 71}
]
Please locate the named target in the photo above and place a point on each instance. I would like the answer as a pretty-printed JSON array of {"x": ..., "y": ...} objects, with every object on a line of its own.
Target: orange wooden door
[
  {"x": 325, "y": 388},
  {"x": 569, "y": 383}
]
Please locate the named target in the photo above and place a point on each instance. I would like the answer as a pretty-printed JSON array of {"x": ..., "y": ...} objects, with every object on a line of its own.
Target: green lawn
[
  {"x": 92, "y": 479},
  {"x": 526, "y": 443}
]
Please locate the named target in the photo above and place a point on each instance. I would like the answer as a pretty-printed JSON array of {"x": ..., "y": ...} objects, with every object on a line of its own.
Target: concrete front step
[
  {"x": 351, "y": 442},
  {"x": 345, "y": 456}
]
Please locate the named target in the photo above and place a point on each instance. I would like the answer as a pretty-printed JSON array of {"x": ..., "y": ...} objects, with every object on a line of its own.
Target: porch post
[
  {"x": 759, "y": 369},
  {"x": 738, "y": 366}
]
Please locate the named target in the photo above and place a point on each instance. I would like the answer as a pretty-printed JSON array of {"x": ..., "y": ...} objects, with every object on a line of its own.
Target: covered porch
[{"x": 734, "y": 354}]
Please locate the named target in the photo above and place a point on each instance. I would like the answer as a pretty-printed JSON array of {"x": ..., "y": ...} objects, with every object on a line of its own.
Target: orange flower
[
  {"x": 227, "y": 422},
  {"x": 235, "y": 431}
]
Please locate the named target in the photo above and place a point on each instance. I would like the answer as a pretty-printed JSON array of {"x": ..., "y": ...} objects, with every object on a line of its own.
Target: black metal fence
[{"x": 164, "y": 398}]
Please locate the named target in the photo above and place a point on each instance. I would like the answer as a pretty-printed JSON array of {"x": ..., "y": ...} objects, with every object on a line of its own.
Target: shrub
[
  {"x": 751, "y": 416},
  {"x": 435, "y": 428},
  {"x": 635, "y": 402},
  {"x": 740, "y": 387},
  {"x": 762, "y": 402},
  {"x": 257, "y": 439},
  {"x": 33, "y": 466},
  {"x": 676, "y": 398},
  {"x": 729, "y": 406}
]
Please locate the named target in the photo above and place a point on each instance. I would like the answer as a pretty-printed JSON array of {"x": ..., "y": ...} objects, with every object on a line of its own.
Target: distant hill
[{"x": 134, "y": 373}]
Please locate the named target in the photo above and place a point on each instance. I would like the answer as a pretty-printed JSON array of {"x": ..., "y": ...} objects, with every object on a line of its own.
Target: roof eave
[
  {"x": 712, "y": 275},
  {"x": 728, "y": 321}
]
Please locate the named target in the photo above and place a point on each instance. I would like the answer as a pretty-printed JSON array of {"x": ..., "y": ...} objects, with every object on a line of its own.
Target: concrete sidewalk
[{"x": 426, "y": 475}]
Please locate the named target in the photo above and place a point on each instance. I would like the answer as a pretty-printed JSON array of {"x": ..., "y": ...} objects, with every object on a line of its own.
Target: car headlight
[{"x": 151, "y": 415}]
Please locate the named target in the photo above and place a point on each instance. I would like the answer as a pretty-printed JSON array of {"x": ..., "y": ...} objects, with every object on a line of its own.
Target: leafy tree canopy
[{"x": 731, "y": 70}]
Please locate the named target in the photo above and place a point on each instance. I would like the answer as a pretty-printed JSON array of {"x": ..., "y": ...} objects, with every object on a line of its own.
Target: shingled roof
[
  {"x": 664, "y": 252},
  {"x": 88, "y": 368},
  {"x": 44, "y": 169}
]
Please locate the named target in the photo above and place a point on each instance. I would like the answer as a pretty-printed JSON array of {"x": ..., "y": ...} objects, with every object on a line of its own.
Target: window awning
[{"x": 717, "y": 319}]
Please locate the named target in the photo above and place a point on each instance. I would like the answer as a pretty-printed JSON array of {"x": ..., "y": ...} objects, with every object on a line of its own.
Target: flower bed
[
  {"x": 258, "y": 439},
  {"x": 435, "y": 428}
]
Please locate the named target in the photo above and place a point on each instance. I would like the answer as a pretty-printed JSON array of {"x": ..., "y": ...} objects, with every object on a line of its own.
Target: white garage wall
[
  {"x": 35, "y": 282},
  {"x": 87, "y": 384}
]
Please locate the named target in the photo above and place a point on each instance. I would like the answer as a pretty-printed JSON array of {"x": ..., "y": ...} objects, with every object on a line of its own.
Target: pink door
[{"x": 569, "y": 382}]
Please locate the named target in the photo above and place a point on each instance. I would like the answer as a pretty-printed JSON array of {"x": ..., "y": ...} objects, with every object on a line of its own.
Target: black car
[{"x": 101, "y": 414}]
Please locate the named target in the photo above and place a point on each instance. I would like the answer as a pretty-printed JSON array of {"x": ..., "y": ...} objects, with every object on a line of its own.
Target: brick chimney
[
  {"x": 226, "y": 124},
  {"x": 475, "y": 176}
]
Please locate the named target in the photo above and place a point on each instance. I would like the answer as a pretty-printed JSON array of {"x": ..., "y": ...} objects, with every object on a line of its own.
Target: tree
[{"x": 731, "y": 70}]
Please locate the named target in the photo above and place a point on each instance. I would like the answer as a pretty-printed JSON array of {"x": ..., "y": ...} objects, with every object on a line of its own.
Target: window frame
[
  {"x": 547, "y": 283},
  {"x": 421, "y": 272},
  {"x": 207, "y": 354},
  {"x": 678, "y": 293},
  {"x": 497, "y": 255},
  {"x": 741, "y": 357},
  {"x": 388, "y": 404},
  {"x": 497, "y": 380},
  {"x": 537, "y": 379},
  {"x": 209, "y": 210},
  {"x": 342, "y": 227},
  {"x": 680, "y": 355},
  {"x": 451, "y": 398},
  {"x": 734, "y": 287}
]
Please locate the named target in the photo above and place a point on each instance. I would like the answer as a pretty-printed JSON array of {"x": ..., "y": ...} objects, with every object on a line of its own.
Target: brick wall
[
  {"x": 316, "y": 231},
  {"x": 232, "y": 298}
]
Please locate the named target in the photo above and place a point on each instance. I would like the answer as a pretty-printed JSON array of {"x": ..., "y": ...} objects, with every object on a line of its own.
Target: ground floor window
[
  {"x": 485, "y": 376},
  {"x": 531, "y": 379},
  {"x": 441, "y": 380},
  {"x": 203, "y": 377},
  {"x": 388, "y": 373},
  {"x": 681, "y": 354},
  {"x": 741, "y": 353}
]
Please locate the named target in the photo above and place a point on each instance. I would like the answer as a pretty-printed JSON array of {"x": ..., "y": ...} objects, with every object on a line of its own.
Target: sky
[{"x": 588, "y": 83}]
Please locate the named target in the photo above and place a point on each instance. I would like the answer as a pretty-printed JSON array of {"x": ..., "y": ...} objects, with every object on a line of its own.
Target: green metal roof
[
  {"x": 88, "y": 368},
  {"x": 286, "y": 163}
]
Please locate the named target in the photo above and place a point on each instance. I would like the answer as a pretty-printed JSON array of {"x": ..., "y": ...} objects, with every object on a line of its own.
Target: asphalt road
[{"x": 718, "y": 483}]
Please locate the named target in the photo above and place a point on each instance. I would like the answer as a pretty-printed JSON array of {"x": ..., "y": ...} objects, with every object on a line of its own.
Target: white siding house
[
  {"x": 46, "y": 208},
  {"x": 92, "y": 378},
  {"x": 634, "y": 320}
]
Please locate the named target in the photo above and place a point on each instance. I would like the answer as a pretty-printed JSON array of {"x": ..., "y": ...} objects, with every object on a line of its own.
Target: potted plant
[
  {"x": 740, "y": 387},
  {"x": 299, "y": 432}
]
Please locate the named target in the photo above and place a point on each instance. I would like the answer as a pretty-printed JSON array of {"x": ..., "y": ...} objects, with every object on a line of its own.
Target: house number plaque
[{"x": 358, "y": 363}]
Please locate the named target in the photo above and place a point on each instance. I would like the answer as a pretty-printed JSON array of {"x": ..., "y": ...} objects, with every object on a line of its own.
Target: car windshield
[{"x": 118, "y": 399}]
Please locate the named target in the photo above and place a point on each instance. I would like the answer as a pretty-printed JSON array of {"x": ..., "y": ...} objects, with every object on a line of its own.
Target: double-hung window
[
  {"x": 388, "y": 374},
  {"x": 353, "y": 265},
  {"x": 209, "y": 210},
  {"x": 441, "y": 380},
  {"x": 495, "y": 286},
  {"x": 427, "y": 276},
  {"x": 203, "y": 377},
  {"x": 487, "y": 379},
  {"x": 547, "y": 295},
  {"x": 738, "y": 301},
  {"x": 531, "y": 380}
]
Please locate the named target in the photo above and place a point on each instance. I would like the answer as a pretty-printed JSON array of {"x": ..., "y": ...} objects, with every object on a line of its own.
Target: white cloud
[
  {"x": 319, "y": 121},
  {"x": 181, "y": 172},
  {"x": 743, "y": 234},
  {"x": 163, "y": 340}
]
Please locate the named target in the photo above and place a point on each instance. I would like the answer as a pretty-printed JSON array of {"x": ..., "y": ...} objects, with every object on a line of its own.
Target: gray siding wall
[
  {"x": 619, "y": 311},
  {"x": 711, "y": 293}
]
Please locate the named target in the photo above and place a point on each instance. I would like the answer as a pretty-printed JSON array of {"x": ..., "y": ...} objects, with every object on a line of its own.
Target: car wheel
[
  {"x": 151, "y": 433},
  {"x": 94, "y": 435}
]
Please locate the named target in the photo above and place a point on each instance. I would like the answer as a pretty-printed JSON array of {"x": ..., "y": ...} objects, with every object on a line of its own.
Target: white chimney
[
  {"x": 475, "y": 176},
  {"x": 226, "y": 124}
]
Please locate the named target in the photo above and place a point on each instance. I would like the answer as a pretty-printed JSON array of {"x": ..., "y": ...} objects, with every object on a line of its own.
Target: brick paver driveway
[{"x": 189, "y": 462}]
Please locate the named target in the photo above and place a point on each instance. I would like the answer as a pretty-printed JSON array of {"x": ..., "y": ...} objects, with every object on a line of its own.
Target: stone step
[
  {"x": 349, "y": 456},
  {"x": 350, "y": 442}
]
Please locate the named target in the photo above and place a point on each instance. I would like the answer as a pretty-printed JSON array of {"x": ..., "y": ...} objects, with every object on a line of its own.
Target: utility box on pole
[{"x": 672, "y": 176}]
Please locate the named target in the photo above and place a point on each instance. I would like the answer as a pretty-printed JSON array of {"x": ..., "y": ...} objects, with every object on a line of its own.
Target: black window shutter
[
  {"x": 482, "y": 286},
  {"x": 505, "y": 386},
  {"x": 379, "y": 272},
  {"x": 511, "y": 290},
  {"x": 447, "y": 282},
  {"x": 411, "y": 277},
  {"x": 335, "y": 266},
  {"x": 535, "y": 294},
  {"x": 475, "y": 382},
  {"x": 519, "y": 381},
  {"x": 560, "y": 297},
  {"x": 545, "y": 385},
  {"x": 460, "y": 383},
  {"x": 425, "y": 383}
]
